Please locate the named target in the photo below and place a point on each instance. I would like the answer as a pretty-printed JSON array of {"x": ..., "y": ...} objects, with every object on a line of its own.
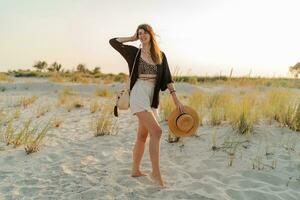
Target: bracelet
[{"x": 172, "y": 91}]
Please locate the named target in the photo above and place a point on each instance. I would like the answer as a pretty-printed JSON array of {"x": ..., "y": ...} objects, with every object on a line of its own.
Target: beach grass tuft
[
  {"x": 33, "y": 144},
  {"x": 94, "y": 106},
  {"x": 167, "y": 106},
  {"x": 105, "y": 123},
  {"x": 102, "y": 92},
  {"x": 26, "y": 101}
]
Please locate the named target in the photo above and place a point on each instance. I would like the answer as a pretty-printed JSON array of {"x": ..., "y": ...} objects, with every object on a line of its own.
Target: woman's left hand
[{"x": 179, "y": 106}]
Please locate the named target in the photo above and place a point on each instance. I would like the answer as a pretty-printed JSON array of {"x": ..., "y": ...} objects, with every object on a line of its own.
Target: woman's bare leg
[
  {"x": 138, "y": 150},
  {"x": 149, "y": 121}
]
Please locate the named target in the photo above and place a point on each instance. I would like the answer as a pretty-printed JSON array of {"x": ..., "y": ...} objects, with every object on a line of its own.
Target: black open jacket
[{"x": 163, "y": 72}]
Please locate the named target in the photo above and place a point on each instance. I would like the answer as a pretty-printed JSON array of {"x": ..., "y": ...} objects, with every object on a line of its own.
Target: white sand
[{"x": 73, "y": 164}]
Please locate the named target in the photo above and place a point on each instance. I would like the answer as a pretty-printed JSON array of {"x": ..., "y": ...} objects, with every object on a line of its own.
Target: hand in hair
[
  {"x": 134, "y": 37},
  {"x": 128, "y": 39}
]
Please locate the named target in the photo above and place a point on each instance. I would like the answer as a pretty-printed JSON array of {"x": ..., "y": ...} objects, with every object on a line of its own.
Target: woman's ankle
[{"x": 156, "y": 174}]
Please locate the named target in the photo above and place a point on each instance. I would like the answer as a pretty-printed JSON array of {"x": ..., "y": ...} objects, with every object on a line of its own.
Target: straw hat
[{"x": 183, "y": 124}]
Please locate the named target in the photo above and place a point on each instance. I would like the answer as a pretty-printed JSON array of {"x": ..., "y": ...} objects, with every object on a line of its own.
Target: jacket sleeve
[
  {"x": 166, "y": 76},
  {"x": 124, "y": 50}
]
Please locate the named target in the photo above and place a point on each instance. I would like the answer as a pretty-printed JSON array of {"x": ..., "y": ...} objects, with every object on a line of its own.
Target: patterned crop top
[{"x": 146, "y": 71}]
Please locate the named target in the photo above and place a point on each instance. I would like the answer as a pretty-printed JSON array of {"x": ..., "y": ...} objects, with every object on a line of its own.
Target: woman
[{"x": 150, "y": 74}]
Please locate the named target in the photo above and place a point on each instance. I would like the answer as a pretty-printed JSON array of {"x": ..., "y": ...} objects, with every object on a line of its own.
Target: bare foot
[
  {"x": 157, "y": 179},
  {"x": 138, "y": 174}
]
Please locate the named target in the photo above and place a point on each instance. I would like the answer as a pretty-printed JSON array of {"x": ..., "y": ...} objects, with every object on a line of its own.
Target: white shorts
[{"x": 141, "y": 96}]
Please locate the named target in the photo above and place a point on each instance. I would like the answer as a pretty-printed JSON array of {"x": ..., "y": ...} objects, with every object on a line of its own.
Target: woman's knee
[{"x": 156, "y": 132}]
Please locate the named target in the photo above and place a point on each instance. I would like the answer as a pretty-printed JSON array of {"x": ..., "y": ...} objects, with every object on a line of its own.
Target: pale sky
[{"x": 198, "y": 36}]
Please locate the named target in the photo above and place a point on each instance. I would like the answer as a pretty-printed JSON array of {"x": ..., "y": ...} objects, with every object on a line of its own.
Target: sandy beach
[{"x": 74, "y": 164}]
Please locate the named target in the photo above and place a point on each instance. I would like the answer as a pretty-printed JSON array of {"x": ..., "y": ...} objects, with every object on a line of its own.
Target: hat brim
[{"x": 172, "y": 122}]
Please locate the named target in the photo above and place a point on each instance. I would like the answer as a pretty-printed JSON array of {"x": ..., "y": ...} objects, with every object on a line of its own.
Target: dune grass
[
  {"x": 79, "y": 77},
  {"x": 214, "y": 140},
  {"x": 56, "y": 77},
  {"x": 26, "y": 101},
  {"x": 16, "y": 114},
  {"x": 166, "y": 106},
  {"x": 74, "y": 103},
  {"x": 8, "y": 133},
  {"x": 282, "y": 106},
  {"x": 23, "y": 134},
  {"x": 217, "y": 104},
  {"x": 103, "y": 92},
  {"x": 105, "y": 123},
  {"x": 2, "y": 116},
  {"x": 69, "y": 99},
  {"x": 68, "y": 91},
  {"x": 42, "y": 110},
  {"x": 33, "y": 144},
  {"x": 296, "y": 120},
  {"x": 244, "y": 113},
  {"x": 197, "y": 101},
  {"x": 5, "y": 78},
  {"x": 94, "y": 106}
]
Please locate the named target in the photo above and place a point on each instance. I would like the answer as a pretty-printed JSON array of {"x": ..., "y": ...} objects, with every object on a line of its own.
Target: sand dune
[{"x": 73, "y": 164}]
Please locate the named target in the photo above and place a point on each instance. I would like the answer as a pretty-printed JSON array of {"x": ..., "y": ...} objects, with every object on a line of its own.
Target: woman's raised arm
[{"x": 125, "y": 50}]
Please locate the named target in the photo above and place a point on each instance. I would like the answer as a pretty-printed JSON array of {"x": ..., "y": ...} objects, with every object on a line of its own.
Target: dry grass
[
  {"x": 2, "y": 116},
  {"x": 218, "y": 107},
  {"x": 244, "y": 113},
  {"x": 33, "y": 144},
  {"x": 73, "y": 103},
  {"x": 94, "y": 106},
  {"x": 42, "y": 110},
  {"x": 216, "y": 116},
  {"x": 96, "y": 80},
  {"x": 197, "y": 101},
  {"x": 214, "y": 140},
  {"x": 166, "y": 106},
  {"x": 8, "y": 135},
  {"x": 26, "y": 101},
  {"x": 283, "y": 106},
  {"x": 297, "y": 118},
  {"x": 79, "y": 77},
  {"x": 23, "y": 134},
  {"x": 107, "y": 80},
  {"x": 16, "y": 114},
  {"x": 65, "y": 97},
  {"x": 5, "y": 77},
  {"x": 57, "y": 77},
  {"x": 105, "y": 123},
  {"x": 103, "y": 92},
  {"x": 290, "y": 116}
]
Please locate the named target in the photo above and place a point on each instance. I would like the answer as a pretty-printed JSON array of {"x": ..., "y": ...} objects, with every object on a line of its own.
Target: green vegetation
[
  {"x": 82, "y": 74},
  {"x": 295, "y": 70}
]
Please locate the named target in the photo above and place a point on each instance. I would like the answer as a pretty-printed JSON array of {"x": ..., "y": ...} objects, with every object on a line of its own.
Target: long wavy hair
[{"x": 156, "y": 54}]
